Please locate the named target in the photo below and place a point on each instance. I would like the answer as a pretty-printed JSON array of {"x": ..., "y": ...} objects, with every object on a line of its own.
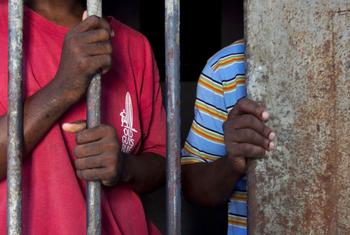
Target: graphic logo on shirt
[{"x": 127, "y": 121}]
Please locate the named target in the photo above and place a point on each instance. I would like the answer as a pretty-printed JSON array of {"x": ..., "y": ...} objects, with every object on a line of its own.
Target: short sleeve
[
  {"x": 205, "y": 141},
  {"x": 153, "y": 118},
  {"x": 220, "y": 86}
]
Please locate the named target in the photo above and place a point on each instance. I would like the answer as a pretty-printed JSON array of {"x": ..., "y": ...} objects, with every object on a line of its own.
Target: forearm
[
  {"x": 210, "y": 184},
  {"x": 41, "y": 111},
  {"x": 143, "y": 173}
]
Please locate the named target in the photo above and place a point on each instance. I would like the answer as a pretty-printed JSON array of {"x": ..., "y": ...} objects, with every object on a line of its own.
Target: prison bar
[
  {"x": 93, "y": 215},
  {"x": 172, "y": 57},
  {"x": 15, "y": 117}
]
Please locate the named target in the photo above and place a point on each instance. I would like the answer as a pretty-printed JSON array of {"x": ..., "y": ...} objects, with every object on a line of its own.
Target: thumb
[
  {"x": 74, "y": 127},
  {"x": 85, "y": 15}
]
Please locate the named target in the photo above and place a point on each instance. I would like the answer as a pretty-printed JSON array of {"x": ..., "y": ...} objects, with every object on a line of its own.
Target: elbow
[{"x": 201, "y": 194}]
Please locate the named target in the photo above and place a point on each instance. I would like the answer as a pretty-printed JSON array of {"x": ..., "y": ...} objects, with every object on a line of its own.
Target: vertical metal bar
[
  {"x": 94, "y": 7},
  {"x": 172, "y": 47},
  {"x": 15, "y": 117}
]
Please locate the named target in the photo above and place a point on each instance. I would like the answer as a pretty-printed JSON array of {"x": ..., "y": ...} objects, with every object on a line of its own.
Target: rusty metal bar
[
  {"x": 15, "y": 117},
  {"x": 172, "y": 47},
  {"x": 94, "y": 7}
]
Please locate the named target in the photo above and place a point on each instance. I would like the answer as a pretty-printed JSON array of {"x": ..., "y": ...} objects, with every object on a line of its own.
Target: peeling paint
[{"x": 298, "y": 57}]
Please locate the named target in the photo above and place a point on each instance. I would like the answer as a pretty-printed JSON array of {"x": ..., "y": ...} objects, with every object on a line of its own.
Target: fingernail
[
  {"x": 85, "y": 15},
  {"x": 265, "y": 115},
  {"x": 67, "y": 126},
  {"x": 272, "y": 136},
  {"x": 271, "y": 145},
  {"x": 112, "y": 34}
]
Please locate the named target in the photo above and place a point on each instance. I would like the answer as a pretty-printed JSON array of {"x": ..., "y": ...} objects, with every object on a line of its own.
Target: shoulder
[
  {"x": 127, "y": 36},
  {"x": 237, "y": 47},
  {"x": 227, "y": 62}
]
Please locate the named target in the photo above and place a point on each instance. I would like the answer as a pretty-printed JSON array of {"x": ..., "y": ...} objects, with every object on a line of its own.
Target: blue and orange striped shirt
[{"x": 220, "y": 86}]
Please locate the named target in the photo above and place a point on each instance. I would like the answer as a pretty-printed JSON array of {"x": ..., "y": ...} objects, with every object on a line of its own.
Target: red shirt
[{"x": 53, "y": 197}]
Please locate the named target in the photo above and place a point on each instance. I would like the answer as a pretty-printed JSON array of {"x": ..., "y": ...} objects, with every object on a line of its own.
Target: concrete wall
[{"x": 298, "y": 63}]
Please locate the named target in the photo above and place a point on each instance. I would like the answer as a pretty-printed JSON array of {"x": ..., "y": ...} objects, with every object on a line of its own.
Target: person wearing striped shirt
[{"x": 227, "y": 130}]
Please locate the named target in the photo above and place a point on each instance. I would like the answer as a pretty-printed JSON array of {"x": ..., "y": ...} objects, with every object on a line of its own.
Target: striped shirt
[{"x": 220, "y": 86}]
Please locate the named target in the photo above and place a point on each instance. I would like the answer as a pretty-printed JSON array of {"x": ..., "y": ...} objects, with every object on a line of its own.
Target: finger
[
  {"x": 251, "y": 137},
  {"x": 247, "y": 106},
  {"x": 74, "y": 127},
  {"x": 98, "y": 63},
  {"x": 94, "y": 134},
  {"x": 247, "y": 150},
  {"x": 88, "y": 150},
  {"x": 252, "y": 122},
  {"x": 85, "y": 15},
  {"x": 101, "y": 48},
  {"x": 96, "y": 35},
  {"x": 94, "y": 22},
  {"x": 99, "y": 161},
  {"x": 96, "y": 174},
  {"x": 104, "y": 62}
]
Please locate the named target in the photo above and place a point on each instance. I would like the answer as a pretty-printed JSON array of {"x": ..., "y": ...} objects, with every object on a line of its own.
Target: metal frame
[
  {"x": 15, "y": 120},
  {"x": 94, "y": 7},
  {"x": 172, "y": 57}
]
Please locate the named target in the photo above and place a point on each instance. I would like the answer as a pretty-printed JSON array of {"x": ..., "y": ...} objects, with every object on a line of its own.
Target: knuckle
[
  {"x": 232, "y": 149},
  {"x": 78, "y": 151},
  {"x": 266, "y": 130},
  {"x": 109, "y": 48},
  {"x": 104, "y": 34},
  {"x": 249, "y": 135},
  {"x": 93, "y": 20},
  {"x": 78, "y": 138},
  {"x": 79, "y": 174},
  {"x": 111, "y": 171},
  {"x": 82, "y": 63},
  {"x": 240, "y": 103},
  {"x": 78, "y": 164},
  {"x": 108, "y": 60},
  {"x": 111, "y": 145}
]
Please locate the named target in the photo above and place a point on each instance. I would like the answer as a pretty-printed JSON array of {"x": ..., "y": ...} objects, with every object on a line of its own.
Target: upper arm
[
  {"x": 153, "y": 116},
  {"x": 205, "y": 141},
  {"x": 220, "y": 87}
]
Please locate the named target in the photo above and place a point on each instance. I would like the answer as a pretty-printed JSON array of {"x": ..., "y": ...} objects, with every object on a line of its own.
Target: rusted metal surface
[
  {"x": 172, "y": 46},
  {"x": 94, "y": 7},
  {"x": 15, "y": 118},
  {"x": 298, "y": 65}
]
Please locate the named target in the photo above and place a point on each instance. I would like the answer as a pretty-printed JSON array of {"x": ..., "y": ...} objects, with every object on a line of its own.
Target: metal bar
[
  {"x": 94, "y": 7},
  {"x": 15, "y": 117},
  {"x": 172, "y": 47}
]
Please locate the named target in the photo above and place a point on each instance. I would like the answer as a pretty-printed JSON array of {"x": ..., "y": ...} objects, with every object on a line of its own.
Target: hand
[
  {"x": 87, "y": 50},
  {"x": 246, "y": 135},
  {"x": 98, "y": 153}
]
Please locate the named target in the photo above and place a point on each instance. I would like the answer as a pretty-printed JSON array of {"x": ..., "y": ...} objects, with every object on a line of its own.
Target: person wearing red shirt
[{"x": 126, "y": 153}]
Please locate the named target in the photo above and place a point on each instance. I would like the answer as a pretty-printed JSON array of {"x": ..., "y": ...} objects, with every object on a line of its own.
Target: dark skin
[
  {"x": 87, "y": 50},
  {"x": 246, "y": 137}
]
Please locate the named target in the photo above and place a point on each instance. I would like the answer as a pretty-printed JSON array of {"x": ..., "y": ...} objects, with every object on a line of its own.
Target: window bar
[
  {"x": 172, "y": 48},
  {"x": 15, "y": 117},
  {"x": 94, "y": 7}
]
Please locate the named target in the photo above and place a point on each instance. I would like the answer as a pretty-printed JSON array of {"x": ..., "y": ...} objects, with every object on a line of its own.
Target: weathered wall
[{"x": 299, "y": 66}]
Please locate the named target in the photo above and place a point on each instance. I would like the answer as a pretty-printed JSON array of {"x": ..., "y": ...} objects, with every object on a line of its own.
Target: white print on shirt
[{"x": 127, "y": 123}]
